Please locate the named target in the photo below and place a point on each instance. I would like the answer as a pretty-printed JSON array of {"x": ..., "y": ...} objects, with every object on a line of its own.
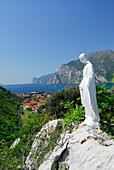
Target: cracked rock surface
[
  {"x": 41, "y": 139},
  {"x": 84, "y": 149}
]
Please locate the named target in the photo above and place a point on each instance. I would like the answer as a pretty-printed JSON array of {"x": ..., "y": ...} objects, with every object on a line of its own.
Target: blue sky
[{"x": 37, "y": 36}]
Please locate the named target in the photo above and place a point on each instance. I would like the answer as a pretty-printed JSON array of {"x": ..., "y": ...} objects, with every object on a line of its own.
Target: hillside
[
  {"x": 71, "y": 73},
  {"x": 9, "y": 119}
]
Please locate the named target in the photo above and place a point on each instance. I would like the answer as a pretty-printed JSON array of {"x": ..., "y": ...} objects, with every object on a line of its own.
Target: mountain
[
  {"x": 71, "y": 73},
  {"x": 43, "y": 79}
]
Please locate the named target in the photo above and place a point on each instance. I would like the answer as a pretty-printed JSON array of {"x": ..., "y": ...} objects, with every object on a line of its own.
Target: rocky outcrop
[
  {"x": 85, "y": 148},
  {"x": 100, "y": 79},
  {"x": 66, "y": 75},
  {"x": 43, "y": 79},
  {"x": 15, "y": 143},
  {"x": 40, "y": 146}
]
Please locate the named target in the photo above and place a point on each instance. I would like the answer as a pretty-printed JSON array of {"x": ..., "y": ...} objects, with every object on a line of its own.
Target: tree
[{"x": 67, "y": 94}]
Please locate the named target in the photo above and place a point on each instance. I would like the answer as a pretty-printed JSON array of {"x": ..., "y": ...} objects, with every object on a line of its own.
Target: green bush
[
  {"x": 106, "y": 108},
  {"x": 16, "y": 157},
  {"x": 67, "y": 94},
  {"x": 73, "y": 117}
]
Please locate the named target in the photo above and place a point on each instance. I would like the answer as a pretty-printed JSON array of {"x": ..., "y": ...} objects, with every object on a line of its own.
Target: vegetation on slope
[
  {"x": 67, "y": 94},
  {"x": 9, "y": 118},
  {"x": 14, "y": 158}
]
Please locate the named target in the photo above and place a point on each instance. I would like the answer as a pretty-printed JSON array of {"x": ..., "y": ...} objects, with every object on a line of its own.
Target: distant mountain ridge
[
  {"x": 43, "y": 79},
  {"x": 71, "y": 73}
]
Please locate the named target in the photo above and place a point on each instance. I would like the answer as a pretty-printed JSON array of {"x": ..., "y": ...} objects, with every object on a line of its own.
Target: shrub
[
  {"x": 105, "y": 104},
  {"x": 67, "y": 94},
  {"x": 73, "y": 117}
]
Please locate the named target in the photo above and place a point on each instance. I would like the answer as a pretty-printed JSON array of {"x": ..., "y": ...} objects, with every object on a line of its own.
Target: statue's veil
[{"x": 83, "y": 57}]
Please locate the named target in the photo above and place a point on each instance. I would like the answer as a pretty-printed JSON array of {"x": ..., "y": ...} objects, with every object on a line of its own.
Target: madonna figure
[{"x": 88, "y": 93}]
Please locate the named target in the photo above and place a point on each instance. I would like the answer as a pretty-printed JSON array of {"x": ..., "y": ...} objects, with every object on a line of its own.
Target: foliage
[
  {"x": 9, "y": 115},
  {"x": 67, "y": 94},
  {"x": 28, "y": 117},
  {"x": 73, "y": 116},
  {"x": 27, "y": 134},
  {"x": 104, "y": 99},
  {"x": 7, "y": 157},
  {"x": 64, "y": 167},
  {"x": 112, "y": 81},
  {"x": 10, "y": 130},
  {"x": 112, "y": 91},
  {"x": 105, "y": 104}
]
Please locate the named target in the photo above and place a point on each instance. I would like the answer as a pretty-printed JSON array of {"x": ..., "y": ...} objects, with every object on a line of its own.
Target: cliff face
[
  {"x": 66, "y": 75},
  {"x": 71, "y": 73},
  {"x": 43, "y": 79},
  {"x": 103, "y": 62}
]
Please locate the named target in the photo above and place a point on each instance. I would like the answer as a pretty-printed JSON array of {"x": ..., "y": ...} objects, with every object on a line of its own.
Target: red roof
[
  {"x": 28, "y": 104},
  {"x": 41, "y": 104},
  {"x": 41, "y": 97}
]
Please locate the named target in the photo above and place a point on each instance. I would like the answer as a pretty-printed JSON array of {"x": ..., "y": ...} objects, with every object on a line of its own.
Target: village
[{"x": 34, "y": 102}]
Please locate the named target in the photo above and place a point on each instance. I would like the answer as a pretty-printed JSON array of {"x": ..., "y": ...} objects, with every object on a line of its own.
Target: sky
[{"x": 37, "y": 36}]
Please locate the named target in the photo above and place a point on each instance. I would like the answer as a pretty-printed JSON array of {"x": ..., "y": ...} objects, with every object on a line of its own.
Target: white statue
[{"x": 88, "y": 93}]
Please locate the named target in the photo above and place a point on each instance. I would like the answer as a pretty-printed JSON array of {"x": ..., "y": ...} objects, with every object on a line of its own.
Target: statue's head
[{"x": 83, "y": 58}]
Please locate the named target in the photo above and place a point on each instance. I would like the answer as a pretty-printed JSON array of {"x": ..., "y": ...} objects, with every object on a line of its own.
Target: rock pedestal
[
  {"x": 91, "y": 122},
  {"x": 86, "y": 148}
]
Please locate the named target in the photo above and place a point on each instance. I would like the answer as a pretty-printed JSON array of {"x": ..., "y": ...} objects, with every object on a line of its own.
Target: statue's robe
[{"x": 88, "y": 92}]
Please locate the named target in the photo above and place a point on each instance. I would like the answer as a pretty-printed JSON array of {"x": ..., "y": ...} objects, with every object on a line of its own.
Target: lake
[{"x": 47, "y": 88}]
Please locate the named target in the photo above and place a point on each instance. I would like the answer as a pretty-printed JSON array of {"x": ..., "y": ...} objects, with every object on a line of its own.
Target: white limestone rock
[
  {"x": 41, "y": 138},
  {"x": 84, "y": 149},
  {"x": 15, "y": 143}
]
